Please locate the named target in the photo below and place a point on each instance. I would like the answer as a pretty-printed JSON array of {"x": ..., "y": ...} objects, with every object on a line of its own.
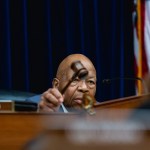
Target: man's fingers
[
  {"x": 48, "y": 107},
  {"x": 57, "y": 94},
  {"x": 44, "y": 108},
  {"x": 50, "y": 100}
]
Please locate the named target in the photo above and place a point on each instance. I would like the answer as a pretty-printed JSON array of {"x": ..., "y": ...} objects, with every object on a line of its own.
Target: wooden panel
[
  {"x": 18, "y": 128},
  {"x": 62, "y": 139},
  {"x": 127, "y": 102},
  {"x": 6, "y": 105}
]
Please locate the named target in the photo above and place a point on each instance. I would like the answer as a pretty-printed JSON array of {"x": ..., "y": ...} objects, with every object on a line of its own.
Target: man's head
[{"x": 74, "y": 93}]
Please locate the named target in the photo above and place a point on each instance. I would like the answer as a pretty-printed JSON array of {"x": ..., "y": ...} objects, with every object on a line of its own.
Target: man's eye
[
  {"x": 91, "y": 82},
  {"x": 74, "y": 82}
]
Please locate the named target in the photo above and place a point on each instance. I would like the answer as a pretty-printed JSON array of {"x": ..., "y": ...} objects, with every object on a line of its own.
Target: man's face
[{"x": 73, "y": 96}]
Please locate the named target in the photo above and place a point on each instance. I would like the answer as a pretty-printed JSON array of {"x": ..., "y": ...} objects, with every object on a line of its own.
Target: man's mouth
[{"x": 78, "y": 100}]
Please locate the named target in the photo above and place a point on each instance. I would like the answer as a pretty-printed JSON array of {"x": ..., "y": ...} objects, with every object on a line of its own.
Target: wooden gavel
[{"x": 81, "y": 72}]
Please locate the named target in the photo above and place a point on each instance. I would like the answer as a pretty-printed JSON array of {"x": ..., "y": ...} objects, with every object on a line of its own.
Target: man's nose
[{"x": 82, "y": 86}]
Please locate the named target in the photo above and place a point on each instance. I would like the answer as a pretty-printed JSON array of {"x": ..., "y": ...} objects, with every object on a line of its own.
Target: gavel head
[{"x": 79, "y": 69}]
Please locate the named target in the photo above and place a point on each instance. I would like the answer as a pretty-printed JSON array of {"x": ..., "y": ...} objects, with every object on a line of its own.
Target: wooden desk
[
  {"x": 16, "y": 129},
  {"x": 91, "y": 140},
  {"x": 126, "y": 102}
]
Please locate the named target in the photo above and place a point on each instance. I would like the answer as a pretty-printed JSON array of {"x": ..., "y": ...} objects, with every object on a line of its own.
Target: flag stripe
[
  {"x": 139, "y": 61},
  {"x": 147, "y": 35},
  {"x": 140, "y": 40}
]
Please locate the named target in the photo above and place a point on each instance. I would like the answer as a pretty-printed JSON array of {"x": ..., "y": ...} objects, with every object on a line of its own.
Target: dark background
[{"x": 35, "y": 35}]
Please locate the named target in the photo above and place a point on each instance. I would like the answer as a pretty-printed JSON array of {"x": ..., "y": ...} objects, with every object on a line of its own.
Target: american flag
[{"x": 141, "y": 33}]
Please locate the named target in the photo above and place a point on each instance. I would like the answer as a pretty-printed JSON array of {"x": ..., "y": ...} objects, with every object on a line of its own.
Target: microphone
[{"x": 109, "y": 80}]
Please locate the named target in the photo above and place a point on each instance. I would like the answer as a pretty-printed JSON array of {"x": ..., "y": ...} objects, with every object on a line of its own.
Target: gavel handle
[
  {"x": 67, "y": 85},
  {"x": 65, "y": 88}
]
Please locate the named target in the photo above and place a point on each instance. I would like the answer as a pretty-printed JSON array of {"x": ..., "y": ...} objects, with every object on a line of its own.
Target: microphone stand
[{"x": 108, "y": 81}]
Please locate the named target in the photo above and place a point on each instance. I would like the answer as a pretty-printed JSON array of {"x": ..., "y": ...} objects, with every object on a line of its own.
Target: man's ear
[{"x": 55, "y": 83}]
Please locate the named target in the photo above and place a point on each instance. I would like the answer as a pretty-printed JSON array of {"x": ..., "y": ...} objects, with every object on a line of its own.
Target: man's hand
[{"x": 50, "y": 101}]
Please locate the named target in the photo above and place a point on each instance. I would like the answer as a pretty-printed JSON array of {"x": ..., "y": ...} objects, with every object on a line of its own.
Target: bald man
[{"x": 53, "y": 101}]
